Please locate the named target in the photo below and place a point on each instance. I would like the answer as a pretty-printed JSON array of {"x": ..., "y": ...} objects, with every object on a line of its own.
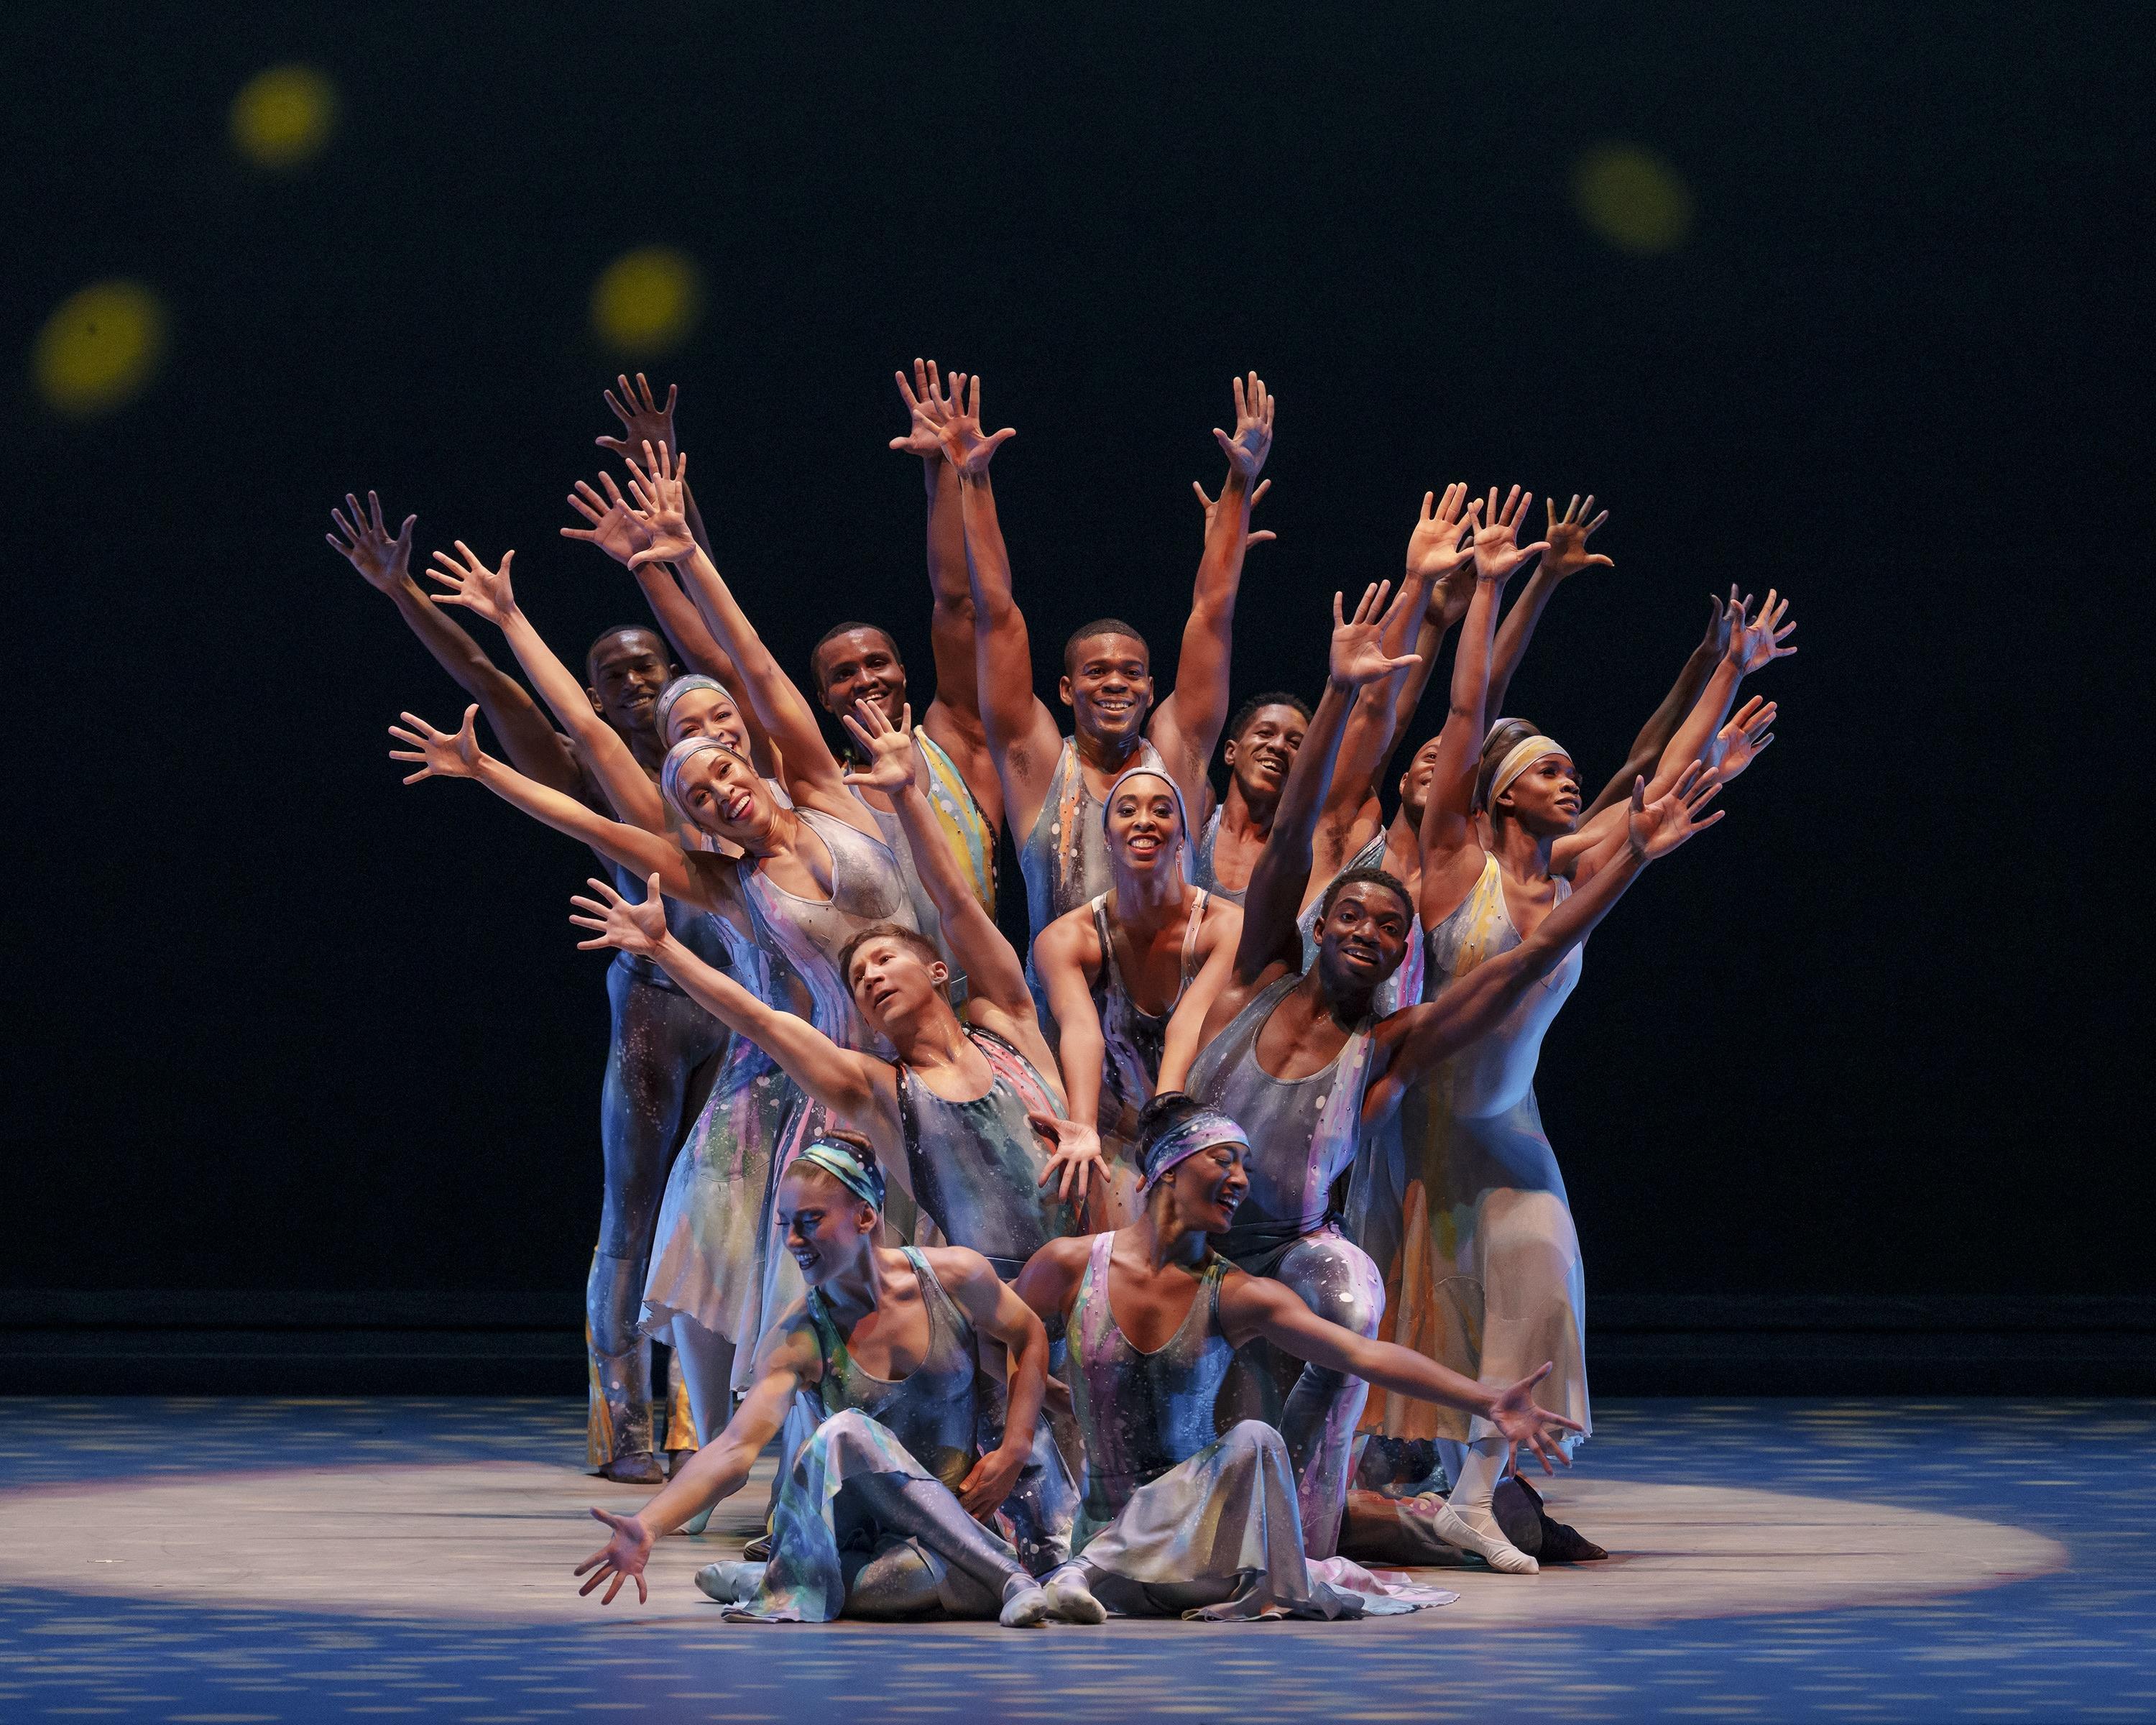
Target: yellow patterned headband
[{"x": 1522, "y": 755}]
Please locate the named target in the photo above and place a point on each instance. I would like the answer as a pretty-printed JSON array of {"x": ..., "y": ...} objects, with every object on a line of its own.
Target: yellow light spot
[
  {"x": 99, "y": 348},
  {"x": 646, "y": 301},
  {"x": 282, "y": 117},
  {"x": 1632, "y": 199}
]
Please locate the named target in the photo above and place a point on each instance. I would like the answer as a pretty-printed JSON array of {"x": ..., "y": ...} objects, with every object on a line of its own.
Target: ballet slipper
[
  {"x": 697, "y": 1522},
  {"x": 1486, "y": 1543},
  {"x": 730, "y": 1583},
  {"x": 1025, "y": 1604},
  {"x": 1070, "y": 1600},
  {"x": 758, "y": 1550}
]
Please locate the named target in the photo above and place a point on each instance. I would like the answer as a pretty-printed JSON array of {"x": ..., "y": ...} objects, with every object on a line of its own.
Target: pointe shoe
[
  {"x": 730, "y": 1583},
  {"x": 1070, "y": 1600},
  {"x": 1499, "y": 1552},
  {"x": 1026, "y": 1607},
  {"x": 697, "y": 1522}
]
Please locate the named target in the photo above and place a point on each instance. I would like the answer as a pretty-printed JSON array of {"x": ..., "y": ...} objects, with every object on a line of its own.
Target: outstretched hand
[
  {"x": 1358, "y": 655},
  {"x": 638, "y": 930},
  {"x": 383, "y": 562},
  {"x": 1723, "y": 617},
  {"x": 621, "y": 1558},
  {"x": 473, "y": 585},
  {"x": 1519, "y": 1421},
  {"x": 439, "y": 754},
  {"x": 1208, "y": 505},
  {"x": 1656, "y": 828},
  {"x": 614, "y": 528},
  {"x": 1441, "y": 541},
  {"x": 1498, "y": 552},
  {"x": 1739, "y": 742},
  {"x": 661, "y": 489},
  {"x": 927, "y": 406},
  {"x": 1253, "y": 441},
  {"x": 1760, "y": 643},
  {"x": 893, "y": 763},
  {"x": 1073, "y": 1154},
  {"x": 1567, "y": 538},
  {"x": 967, "y": 447},
  {"x": 643, "y": 420}
]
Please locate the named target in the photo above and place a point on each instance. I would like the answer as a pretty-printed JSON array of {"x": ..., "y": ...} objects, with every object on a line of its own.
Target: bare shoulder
[
  {"x": 1070, "y": 939},
  {"x": 956, "y": 1267},
  {"x": 1223, "y": 926}
]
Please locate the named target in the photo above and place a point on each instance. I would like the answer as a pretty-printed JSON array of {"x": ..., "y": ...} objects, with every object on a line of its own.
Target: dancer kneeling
[
  {"x": 875, "y": 1515},
  {"x": 1175, "y": 1519}
]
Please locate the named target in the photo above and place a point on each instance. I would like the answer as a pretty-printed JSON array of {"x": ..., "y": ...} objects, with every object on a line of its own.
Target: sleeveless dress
[
  {"x": 1468, "y": 1216},
  {"x": 1130, "y": 1063},
  {"x": 1201, "y": 862},
  {"x": 1404, "y": 986},
  {"x": 1065, "y": 858},
  {"x": 880, "y": 1469},
  {"x": 1177, "y": 1520}
]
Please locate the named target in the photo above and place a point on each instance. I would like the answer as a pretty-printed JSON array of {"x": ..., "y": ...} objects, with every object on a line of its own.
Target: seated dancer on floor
[
  {"x": 1300, "y": 1058},
  {"x": 660, "y": 1041},
  {"x": 1176, "y": 1518},
  {"x": 967, "y": 1119},
  {"x": 1052, "y": 785},
  {"x": 1114, "y": 971},
  {"x": 1467, "y": 1213},
  {"x": 876, "y": 1512}
]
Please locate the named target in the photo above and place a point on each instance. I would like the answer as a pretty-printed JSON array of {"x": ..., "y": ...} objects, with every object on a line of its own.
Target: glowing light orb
[
  {"x": 646, "y": 301},
  {"x": 99, "y": 348},
  {"x": 283, "y": 116},
  {"x": 1632, "y": 199}
]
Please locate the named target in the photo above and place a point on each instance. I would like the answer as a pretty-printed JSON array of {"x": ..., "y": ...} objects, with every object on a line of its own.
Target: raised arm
[
  {"x": 1187, "y": 725},
  {"x": 1021, "y": 733},
  {"x": 385, "y": 564},
  {"x": 857, "y": 1087},
  {"x": 1357, "y": 659},
  {"x": 1646, "y": 750},
  {"x": 1564, "y": 555}
]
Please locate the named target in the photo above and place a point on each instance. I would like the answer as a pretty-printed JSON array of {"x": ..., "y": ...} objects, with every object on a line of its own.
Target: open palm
[
  {"x": 474, "y": 586},
  {"x": 638, "y": 930},
  {"x": 438, "y": 754},
  {"x": 893, "y": 761},
  {"x": 1656, "y": 828},
  {"x": 382, "y": 560}
]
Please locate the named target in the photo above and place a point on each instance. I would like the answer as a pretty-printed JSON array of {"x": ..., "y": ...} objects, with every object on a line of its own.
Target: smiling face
[
  {"x": 860, "y": 665},
  {"x": 723, "y": 796},
  {"x": 894, "y": 981},
  {"x": 1258, "y": 758},
  {"x": 627, "y": 667},
  {"x": 1145, "y": 824},
  {"x": 827, "y": 1228},
  {"x": 1362, "y": 939},
  {"x": 1208, "y": 1186},
  {"x": 1544, "y": 800},
  {"x": 707, "y": 713},
  {"x": 1414, "y": 782},
  {"x": 1109, "y": 687}
]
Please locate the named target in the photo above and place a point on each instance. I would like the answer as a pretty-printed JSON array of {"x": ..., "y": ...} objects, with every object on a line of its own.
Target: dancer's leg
[
  {"x": 706, "y": 1360},
  {"x": 1338, "y": 1281}
]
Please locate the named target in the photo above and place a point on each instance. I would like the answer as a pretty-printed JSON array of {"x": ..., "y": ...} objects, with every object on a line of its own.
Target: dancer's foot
[
  {"x": 758, "y": 1550},
  {"x": 640, "y": 1468},
  {"x": 1476, "y": 1531},
  {"x": 731, "y": 1583},
  {"x": 697, "y": 1522},
  {"x": 1518, "y": 1513},
  {"x": 1070, "y": 1600},
  {"x": 1025, "y": 1604},
  {"x": 676, "y": 1460},
  {"x": 1554, "y": 1542}
]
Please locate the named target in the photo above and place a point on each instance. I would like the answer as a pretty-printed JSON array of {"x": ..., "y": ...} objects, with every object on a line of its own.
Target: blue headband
[
  {"x": 679, "y": 757},
  {"x": 1201, "y": 1131},
  {"x": 682, "y": 685},
  {"x": 843, "y": 1162},
  {"x": 1174, "y": 790}
]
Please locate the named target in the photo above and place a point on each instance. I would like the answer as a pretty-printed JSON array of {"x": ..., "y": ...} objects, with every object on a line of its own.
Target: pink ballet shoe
[{"x": 1499, "y": 1552}]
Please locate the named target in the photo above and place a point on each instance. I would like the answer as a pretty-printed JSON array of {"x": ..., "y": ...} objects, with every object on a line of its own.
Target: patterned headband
[
  {"x": 684, "y": 685},
  {"x": 1202, "y": 1130},
  {"x": 843, "y": 1163},
  {"x": 1522, "y": 755}
]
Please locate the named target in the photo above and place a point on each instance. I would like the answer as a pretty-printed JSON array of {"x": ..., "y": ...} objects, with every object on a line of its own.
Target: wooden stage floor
[{"x": 272, "y": 1560}]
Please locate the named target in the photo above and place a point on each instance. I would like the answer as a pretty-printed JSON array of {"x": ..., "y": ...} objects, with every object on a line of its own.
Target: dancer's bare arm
[
  {"x": 1646, "y": 750},
  {"x": 1186, "y": 726},
  {"x": 441, "y": 754},
  {"x": 791, "y": 1360},
  {"x": 1023, "y": 736},
  {"x": 999, "y": 1314},
  {"x": 1186, "y": 1026},
  {"x": 1066, "y": 956},
  {"x": 384, "y": 562},
  {"x": 1565, "y": 554}
]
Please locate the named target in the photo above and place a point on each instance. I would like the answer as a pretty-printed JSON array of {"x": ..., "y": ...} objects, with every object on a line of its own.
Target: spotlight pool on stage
[{"x": 303, "y": 1559}]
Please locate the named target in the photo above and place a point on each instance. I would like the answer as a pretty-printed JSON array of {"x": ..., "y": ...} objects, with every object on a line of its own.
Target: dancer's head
[
  {"x": 1192, "y": 1160},
  {"x": 897, "y": 979},
  {"x": 1262, "y": 739},
  {"x": 1528, "y": 778},
  {"x": 717, "y": 791},
  {"x": 830, "y": 1202},
  {"x": 700, "y": 706},
  {"x": 624, "y": 670},
  {"x": 858, "y": 661},
  {"x": 1107, "y": 680},
  {"x": 1144, "y": 823},
  {"x": 1416, "y": 781},
  {"x": 1362, "y": 926}
]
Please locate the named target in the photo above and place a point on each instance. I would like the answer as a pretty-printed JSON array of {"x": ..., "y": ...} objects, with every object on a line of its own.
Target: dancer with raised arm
[
  {"x": 661, "y": 1040},
  {"x": 879, "y": 1512},
  {"x": 1052, "y": 785},
  {"x": 1115, "y": 969},
  {"x": 1177, "y": 1520}
]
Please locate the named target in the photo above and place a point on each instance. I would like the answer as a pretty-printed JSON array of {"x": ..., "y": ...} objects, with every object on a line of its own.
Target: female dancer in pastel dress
[
  {"x": 1115, "y": 970},
  {"x": 875, "y": 1514},
  {"x": 1301, "y": 1060},
  {"x": 1178, "y": 1519}
]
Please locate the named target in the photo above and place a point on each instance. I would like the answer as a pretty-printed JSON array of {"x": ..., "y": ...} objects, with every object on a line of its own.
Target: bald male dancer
[{"x": 661, "y": 1040}]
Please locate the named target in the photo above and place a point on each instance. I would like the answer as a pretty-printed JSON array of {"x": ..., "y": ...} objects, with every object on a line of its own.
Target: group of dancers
[{"x": 1063, "y": 1276}]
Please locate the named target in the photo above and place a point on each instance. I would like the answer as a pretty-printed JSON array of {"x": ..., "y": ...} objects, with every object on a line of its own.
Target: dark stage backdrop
[{"x": 1838, "y": 300}]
